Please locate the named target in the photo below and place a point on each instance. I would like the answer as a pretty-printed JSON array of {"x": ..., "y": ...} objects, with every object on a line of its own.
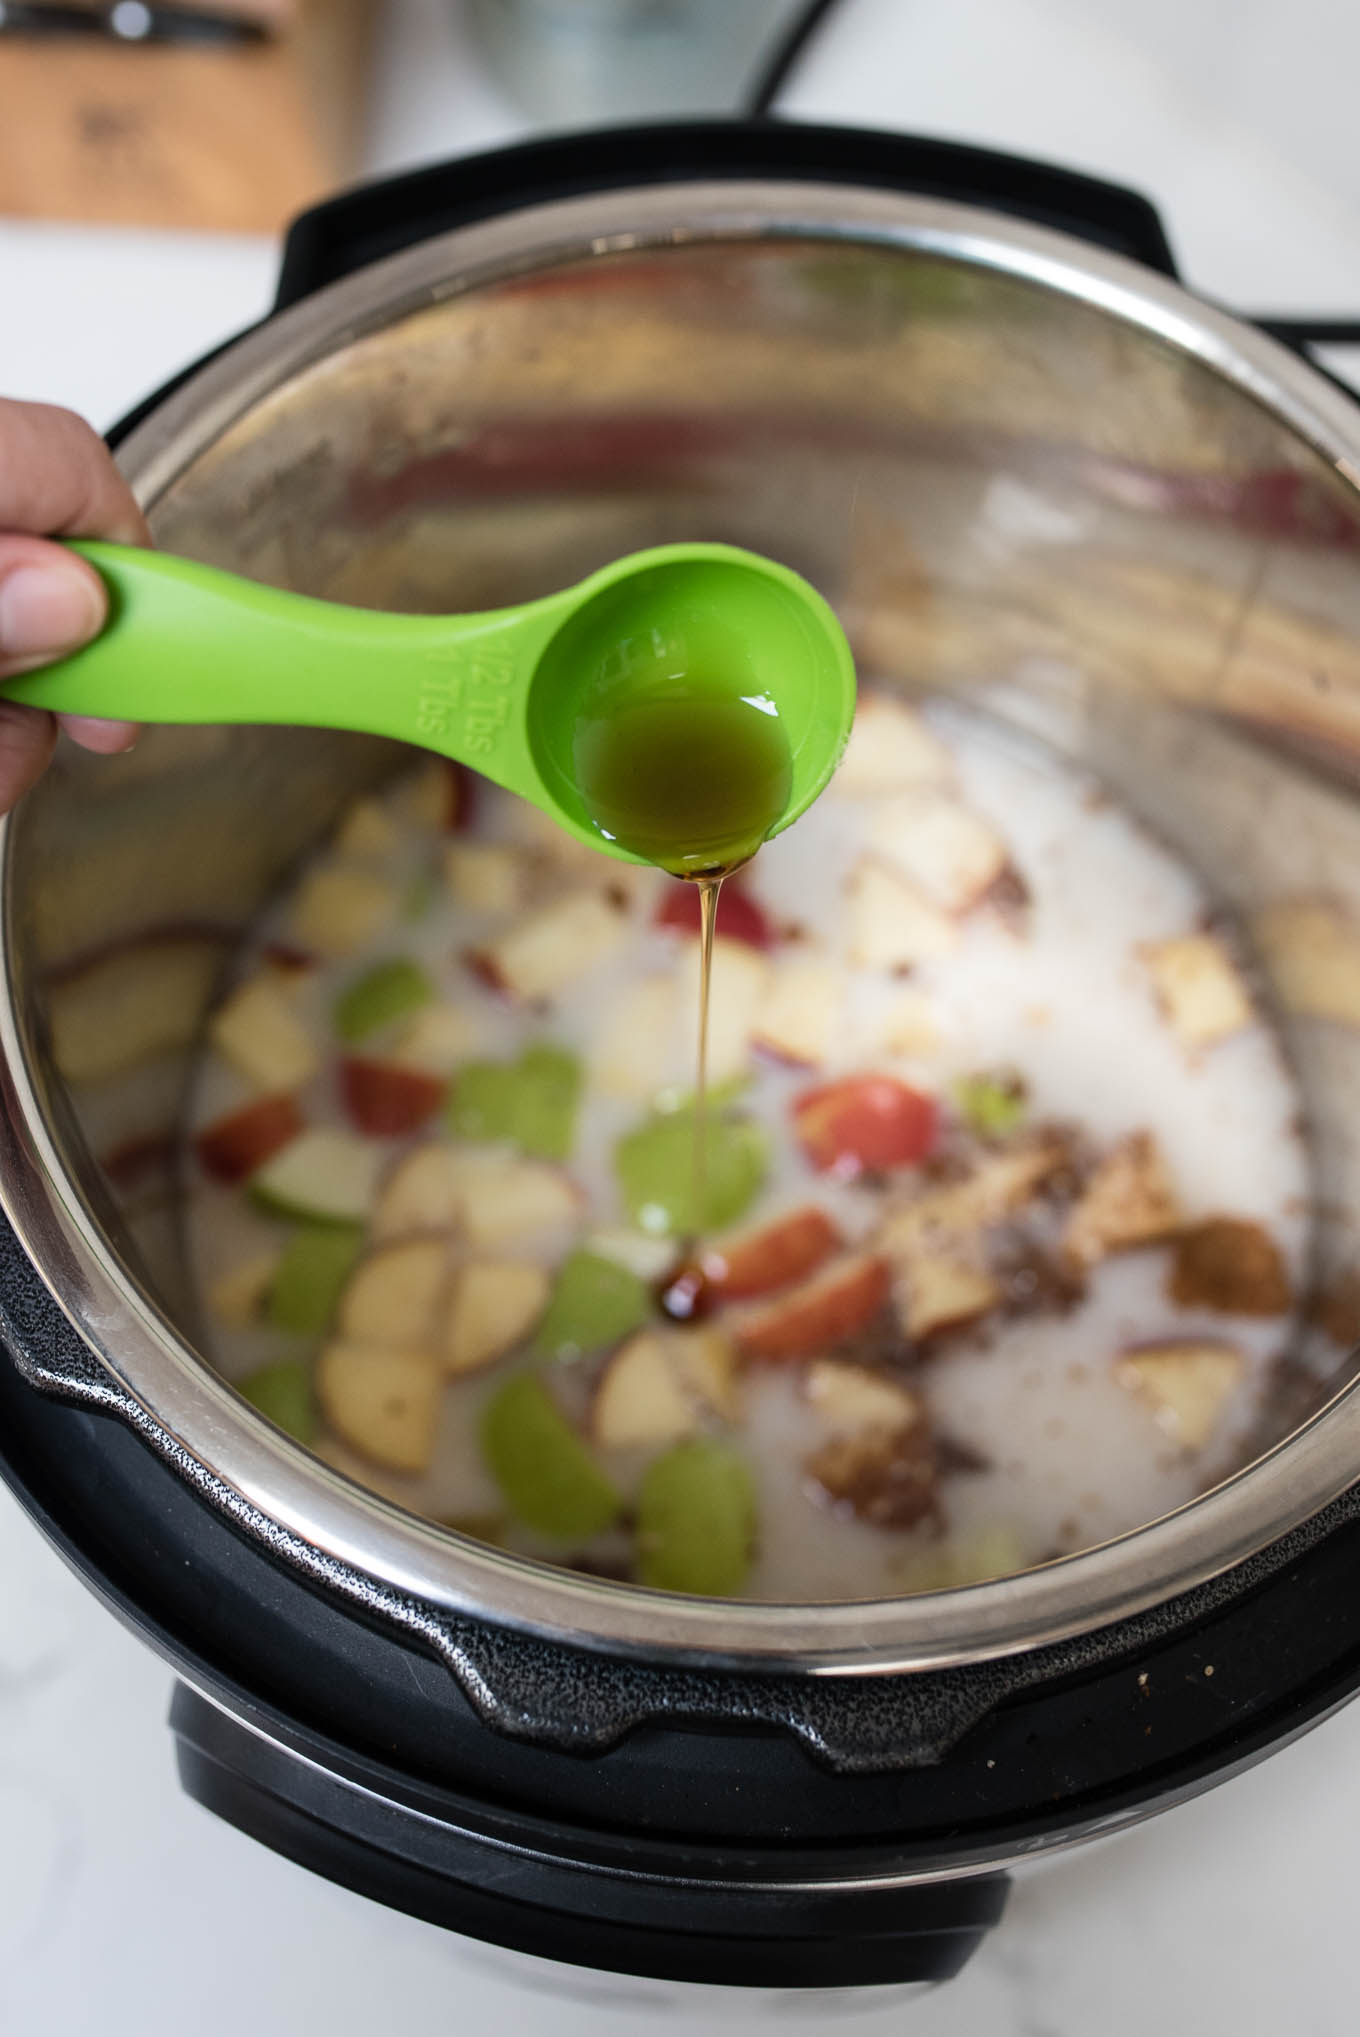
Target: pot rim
[{"x": 204, "y": 1418}]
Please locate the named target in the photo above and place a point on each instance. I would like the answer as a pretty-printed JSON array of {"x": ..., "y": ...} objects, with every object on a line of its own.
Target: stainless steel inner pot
[{"x": 1027, "y": 473}]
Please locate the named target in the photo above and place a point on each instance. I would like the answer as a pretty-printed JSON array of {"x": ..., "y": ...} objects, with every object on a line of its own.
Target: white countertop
[{"x": 123, "y": 1908}]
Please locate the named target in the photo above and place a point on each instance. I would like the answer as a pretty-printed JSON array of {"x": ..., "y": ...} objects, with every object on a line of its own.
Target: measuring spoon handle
[{"x": 187, "y": 643}]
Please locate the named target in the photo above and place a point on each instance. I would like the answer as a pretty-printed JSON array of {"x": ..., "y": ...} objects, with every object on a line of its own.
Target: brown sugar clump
[
  {"x": 888, "y": 1480},
  {"x": 1228, "y": 1264}
]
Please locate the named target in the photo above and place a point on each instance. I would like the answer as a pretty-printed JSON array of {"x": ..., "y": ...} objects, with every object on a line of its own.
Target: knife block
[{"x": 154, "y": 135}]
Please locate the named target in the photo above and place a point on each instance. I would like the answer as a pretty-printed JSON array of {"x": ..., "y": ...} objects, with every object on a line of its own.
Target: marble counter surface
[{"x": 123, "y": 1908}]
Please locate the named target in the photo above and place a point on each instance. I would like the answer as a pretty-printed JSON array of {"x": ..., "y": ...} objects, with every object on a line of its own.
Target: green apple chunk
[
  {"x": 994, "y": 1104},
  {"x": 655, "y": 1167},
  {"x": 594, "y": 1302},
  {"x": 391, "y": 991},
  {"x": 283, "y": 1393},
  {"x": 531, "y": 1102},
  {"x": 549, "y": 1479},
  {"x": 696, "y": 1520},
  {"x": 324, "y": 1176},
  {"x": 315, "y": 1265}
]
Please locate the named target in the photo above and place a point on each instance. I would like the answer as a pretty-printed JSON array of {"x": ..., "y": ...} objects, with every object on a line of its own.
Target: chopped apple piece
[
  {"x": 234, "y": 1146},
  {"x": 739, "y": 917},
  {"x": 386, "y": 1100},
  {"x": 547, "y": 1475},
  {"x": 329, "y": 1176},
  {"x": 594, "y": 1303},
  {"x": 338, "y": 908},
  {"x": 435, "y": 1040},
  {"x": 890, "y": 750},
  {"x": 941, "y": 845},
  {"x": 696, "y": 1525},
  {"x": 366, "y": 833},
  {"x": 865, "y": 1123},
  {"x": 759, "y": 1262},
  {"x": 495, "y": 1304},
  {"x": 995, "y": 1187},
  {"x": 1311, "y": 949},
  {"x": 383, "y": 1402},
  {"x": 798, "y": 1019},
  {"x": 486, "y": 876},
  {"x": 392, "y": 1295},
  {"x": 887, "y": 1479},
  {"x": 131, "y": 1005},
  {"x": 707, "y": 1363},
  {"x": 311, "y": 1272},
  {"x": 1128, "y": 1201},
  {"x": 655, "y": 1167},
  {"x": 237, "y": 1297},
  {"x": 906, "y": 1026},
  {"x": 288, "y": 966},
  {"x": 736, "y": 988},
  {"x": 636, "y": 1048},
  {"x": 507, "y": 1201},
  {"x": 1231, "y": 1265},
  {"x": 943, "y": 1290},
  {"x": 892, "y": 924},
  {"x": 1198, "y": 988},
  {"x": 553, "y": 947},
  {"x": 259, "y": 1032},
  {"x": 420, "y": 1194},
  {"x": 283, "y": 1393},
  {"x": 378, "y": 998},
  {"x": 639, "y": 1399},
  {"x": 994, "y": 1103},
  {"x": 827, "y": 1310},
  {"x": 852, "y": 1397},
  {"x": 531, "y": 1102},
  {"x": 1184, "y": 1382}
]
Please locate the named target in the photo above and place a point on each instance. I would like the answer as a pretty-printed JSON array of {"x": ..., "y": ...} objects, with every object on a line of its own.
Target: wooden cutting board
[{"x": 233, "y": 139}]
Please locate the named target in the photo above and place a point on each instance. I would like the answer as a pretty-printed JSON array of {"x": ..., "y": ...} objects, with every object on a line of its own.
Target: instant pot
[{"x": 967, "y": 398}]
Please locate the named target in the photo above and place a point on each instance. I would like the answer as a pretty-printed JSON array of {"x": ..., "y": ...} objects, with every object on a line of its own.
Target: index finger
[{"x": 57, "y": 478}]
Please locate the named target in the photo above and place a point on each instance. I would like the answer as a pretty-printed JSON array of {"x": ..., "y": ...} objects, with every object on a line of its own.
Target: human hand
[{"x": 57, "y": 479}]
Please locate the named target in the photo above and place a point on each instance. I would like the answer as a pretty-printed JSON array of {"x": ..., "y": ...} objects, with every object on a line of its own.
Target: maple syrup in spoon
[{"x": 692, "y": 773}]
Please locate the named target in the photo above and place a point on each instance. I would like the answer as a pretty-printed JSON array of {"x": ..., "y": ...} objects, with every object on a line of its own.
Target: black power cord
[
  {"x": 784, "y": 58},
  {"x": 1302, "y": 334}
]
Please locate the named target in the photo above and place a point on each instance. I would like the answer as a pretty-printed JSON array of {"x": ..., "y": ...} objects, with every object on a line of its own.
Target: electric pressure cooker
[{"x": 966, "y": 396}]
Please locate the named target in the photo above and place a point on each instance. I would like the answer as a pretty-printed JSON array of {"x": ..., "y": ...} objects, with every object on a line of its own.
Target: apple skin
[
  {"x": 763, "y": 1261},
  {"x": 739, "y": 917},
  {"x": 865, "y": 1123},
  {"x": 386, "y": 1100},
  {"x": 233, "y": 1147},
  {"x": 810, "y": 1320}
]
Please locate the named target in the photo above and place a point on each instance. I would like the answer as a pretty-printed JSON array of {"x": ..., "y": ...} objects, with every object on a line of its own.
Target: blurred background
[{"x": 150, "y": 154}]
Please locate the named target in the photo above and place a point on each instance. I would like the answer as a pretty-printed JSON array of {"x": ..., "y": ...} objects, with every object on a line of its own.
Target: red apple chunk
[
  {"x": 233, "y": 1147},
  {"x": 761, "y": 1261},
  {"x": 865, "y": 1122},
  {"x": 386, "y": 1100},
  {"x": 739, "y": 917},
  {"x": 823, "y": 1312}
]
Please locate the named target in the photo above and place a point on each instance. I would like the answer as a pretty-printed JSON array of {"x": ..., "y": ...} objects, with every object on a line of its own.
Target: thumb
[{"x": 51, "y": 603}]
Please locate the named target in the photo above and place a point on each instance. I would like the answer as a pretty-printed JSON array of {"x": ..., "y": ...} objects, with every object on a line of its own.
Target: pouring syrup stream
[
  {"x": 709, "y": 888},
  {"x": 688, "y": 765}
]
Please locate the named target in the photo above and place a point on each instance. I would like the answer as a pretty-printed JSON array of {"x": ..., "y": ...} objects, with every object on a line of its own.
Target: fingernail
[{"x": 45, "y": 610}]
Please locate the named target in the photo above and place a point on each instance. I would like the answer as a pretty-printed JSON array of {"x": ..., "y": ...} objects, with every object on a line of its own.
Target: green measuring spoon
[{"x": 503, "y": 691}]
